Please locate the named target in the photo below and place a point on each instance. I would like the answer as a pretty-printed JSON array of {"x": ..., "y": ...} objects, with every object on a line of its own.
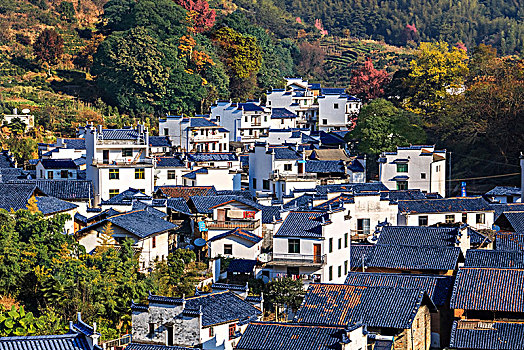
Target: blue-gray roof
[
  {"x": 356, "y": 166},
  {"x": 217, "y": 308},
  {"x": 282, "y": 113},
  {"x": 504, "y": 191},
  {"x": 501, "y": 208},
  {"x": 352, "y": 187},
  {"x": 489, "y": 289},
  {"x": 159, "y": 141},
  {"x": 358, "y": 253},
  {"x": 245, "y": 194},
  {"x": 178, "y": 205},
  {"x": 200, "y": 122},
  {"x": 75, "y": 143},
  {"x": 192, "y": 175},
  {"x": 325, "y": 166},
  {"x": 205, "y": 204},
  {"x": 12, "y": 174},
  {"x": 446, "y": 205},
  {"x": 120, "y": 134},
  {"x": 414, "y": 257},
  {"x": 126, "y": 197},
  {"x": 494, "y": 258},
  {"x": 15, "y": 196},
  {"x": 139, "y": 346},
  {"x": 284, "y": 152},
  {"x": 306, "y": 224},
  {"x": 250, "y": 107},
  {"x": 237, "y": 232},
  {"x": 419, "y": 236},
  {"x": 72, "y": 190},
  {"x": 438, "y": 288},
  {"x": 52, "y": 205},
  {"x": 487, "y": 335},
  {"x": 511, "y": 221},
  {"x": 6, "y": 160},
  {"x": 332, "y": 91},
  {"x": 58, "y": 164},
  {"x": 241, "y": 265},
  {"x": 70, "y": 341},
  {"x": 139, "y": 222},
  {"x": 341, "y": 304},
  {"x": 509, "y": 241},
  {"x": 212, "y": 157},
  {"x": 397, "y": 195},
  {"x": 279, "y": 336},
  {"x": 170, "y": 162}
]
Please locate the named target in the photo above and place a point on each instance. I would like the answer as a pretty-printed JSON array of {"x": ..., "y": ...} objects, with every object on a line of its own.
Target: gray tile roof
[
  {"x": 303, "y": 224},
  {"x": 6, "y": 160},
  {"x": 446, "y": 205},
  {"x": 501, "y": 208},
  {"x": 504, "y": 191},
  {"x": 515, "y": 220},
  {"x": 284, "y": 153},
  {"x": 170, "y": 162},
  {"x": 414, "y": 258},
  {"x": 381, "y": 307},
  {"x": 325, "y": 166},
  {"x": 120, "y": 134},
  {"x": 52, "y": 205},
  {"x": 63, "y": 189},
  {"x": 509, "y": 241},
  {"x": 58, "y": 164},
  {"x": 159, "y": 141},
  {"x": 138, "y": 346},
  {"x": 75, "y": 143},
  {"x": 179, "y": 205},
  {"x": 494, "y": 258},
  {"x": 72, "y": 341},
  {"x": 212, "y": 157},
  {"x": 237, "y": 232},
  {"x": 419, "y": 236},
  {"x": 15, "y": 196},
  {"x": 487, "y": 335}
]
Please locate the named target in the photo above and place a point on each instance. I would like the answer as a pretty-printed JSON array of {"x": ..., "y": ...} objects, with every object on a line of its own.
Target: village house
[
  {"x": 504, "y": 194},
  {"x": 63, "y": 148},
  {"x": 398, "y": 316},
  {"x": 194, "y": 134},
  {"x": 117, "y": 158},
  {"x": 147, "y": 229},
  {"x": 208, "y": 321},
  {"x": 474, "y": 211},
  {"x": 414, "y": 167},
  {"x": 438, "y": 289},
  {"x": 220, "y": 160},
  {"x": 247, "y": 122},
  {"x": 25, "y": 118},
  {"x": 159, "y": 145},
  {"x": 222, "y": 179},
  {"x": 168, "y": 171},
  {"x": 57, "y": 169},
  {"x": 337, "y": 110},
  {"x": 312, "y": 245},
  {"x": 283, "y": 118},
  {"x": 278, "y": 336}
]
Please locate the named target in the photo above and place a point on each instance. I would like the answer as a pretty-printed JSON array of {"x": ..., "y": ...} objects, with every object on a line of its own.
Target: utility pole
[{"x": 449, "y": 179}]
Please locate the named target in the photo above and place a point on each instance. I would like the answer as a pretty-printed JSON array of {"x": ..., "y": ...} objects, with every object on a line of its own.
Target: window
[
  {"x": 151, "y": 332},
  {"x": 211, "y": 332},
  {"x": 166, "y": 131},
  {"x": 324, "y": 121},
  {"x": 153, "y": 242},
  {"x": 113, "y": 193},
  {"x": 287, "y": 167},
  {"x": 254, "y": 183},
  {"x": 330, "y": 273},
  {"x": 340, "y": 243},
  {"x": 331, "y": 245},
  {"x": 345, "y": 240},
  {"x": 127, "y": 152},
  {"x": 423, "y": 220},
  {"x": 63, "y": 174},
  {"x": 269, "y": 103},
  {"x": 114, "y": 174},
  {"x": 171, "y": 174},
  {"x": 245, "y": 119},
  {"x": 345, "y": 267},
  {"x": 230, "y": 164},
  {"x": 49, "y": 174},
  {"x": 140, "y": 173},
  {"x": 228, "y": 249},
  {"x": 422, "y": 176},
  {"x": 232, "y": 330},
  {"x": 402, "y": 168},
  {"x": 481, "y": 219},
  {"x": 402, "y": 185},
  {"x": 450, "y": 219},
  {"x": 465, "y": 218},
  {"x": 265, "y": 118},
  {"x": 218, "y": 119},
  {"x": 41, "y": 173},
  {"x": 340, "y": 271},
  {"x": 335, "y": 106},
  {"x": 283, "y": 188},
  {"x": 293, "y": 271},
  {"x": 293, "y": 245},
  {"x": 363, "y": 226},
  {"x": 265, "y": 184}
]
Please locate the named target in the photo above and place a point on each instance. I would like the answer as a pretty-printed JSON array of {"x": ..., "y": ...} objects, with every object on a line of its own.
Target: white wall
[
  {"x": 242, "y": 249},
  {"x": 125, "y": 181},
  {"x": 435, "y": 218}
]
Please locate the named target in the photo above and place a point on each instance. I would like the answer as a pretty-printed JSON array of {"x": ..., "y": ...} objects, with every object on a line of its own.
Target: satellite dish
[
  {"x": 199, "y": 242},
  {"x": 495, "y": 228},
  {"x": 263, "y": 258},
  {"x": 265, "y": 279},
  {"x": 26, "y": 111}
]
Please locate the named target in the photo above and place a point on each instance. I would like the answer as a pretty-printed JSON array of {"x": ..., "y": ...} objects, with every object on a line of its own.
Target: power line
[
  {"x": 484, "y": 177},
  {"x": 487, "y": 161}
]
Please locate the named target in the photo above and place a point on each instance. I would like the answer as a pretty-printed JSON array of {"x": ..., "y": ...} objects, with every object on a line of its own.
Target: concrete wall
[
  {"x": 242, "y": 249},
  {"x": 435, "y": 218}
]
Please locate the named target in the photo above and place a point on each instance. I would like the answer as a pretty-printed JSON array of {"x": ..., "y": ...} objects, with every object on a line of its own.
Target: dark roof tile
[{"x": 487, "y": 335}]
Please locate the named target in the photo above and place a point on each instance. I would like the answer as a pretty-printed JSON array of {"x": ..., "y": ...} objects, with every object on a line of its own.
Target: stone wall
[{"x": 418, "y": 337}]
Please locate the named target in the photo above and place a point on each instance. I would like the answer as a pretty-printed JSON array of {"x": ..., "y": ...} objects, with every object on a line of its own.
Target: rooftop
[
  {"x": 306, "y": 224},
  {"x": 70, "y": 341},
  {"x": 487, "y": 335},
  {"x": 495, "y": 258},
  {"x": 445, "y": 205},
  {"x": 185, "y": 191},
  {"x": 239, "y": 233}
]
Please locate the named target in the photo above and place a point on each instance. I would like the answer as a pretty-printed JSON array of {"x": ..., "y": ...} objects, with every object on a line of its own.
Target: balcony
[
  {"x": 278, "y": 259},
  {"x": 276, "y": 176},
  {"x": 207, "y": 138},
  {"x": 122, "y": 162},
  {"x": 229, "y": 225}
]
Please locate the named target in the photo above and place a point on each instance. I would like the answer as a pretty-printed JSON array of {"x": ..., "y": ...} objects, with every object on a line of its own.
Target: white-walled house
[
  {"x": 282, "y": 118},
  {"x": 414, "y": 167},
  {"x": 117, "y": 159},
  {"x": 222, "y": 179},
  {"x": 474, "y": 211},
  {"x": 148, "y": 230},
  {"x": 169, "y": 170},
  {"x": 314, "y": 245},
  {"x": 56, "y": 169},
  {"x": 247, "y": 122},
  {"x": 236, "y": 243},
  {"x": 63, "y": 148},
  {"x": 504, "y": 194},
  {"x": 212, "y": 321},
  {"x": 194, "y": 134},
  {"x": 337, "y": 111},
  {"x": 222, "y": 160}
]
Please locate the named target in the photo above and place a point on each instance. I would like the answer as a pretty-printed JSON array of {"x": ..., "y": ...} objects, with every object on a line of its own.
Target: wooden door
[
  {"x": 317, "y": 252},
  {"x": 105, "y": 156},
  {"x": 221, "y": 215}
]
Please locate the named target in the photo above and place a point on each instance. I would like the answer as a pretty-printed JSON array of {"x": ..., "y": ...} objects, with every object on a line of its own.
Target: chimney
[
  {"x": 521, "y": 177},
  {"x": 99, "y": 129}
]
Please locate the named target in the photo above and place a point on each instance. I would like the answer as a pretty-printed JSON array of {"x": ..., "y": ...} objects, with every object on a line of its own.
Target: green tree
[
  {"x": 434, "y": 71},
  {"x": 382, "y": 127},
  {"x": 284, "y": 291},
  {"x": 17, "y": 322},
  {"x": 130, "y": 70},
  {"x": 67, "y": 11}
]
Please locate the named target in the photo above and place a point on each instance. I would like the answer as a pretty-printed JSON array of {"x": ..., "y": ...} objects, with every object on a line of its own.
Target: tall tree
[
  {"x": 368, "y": 82},
  {"x": 49, "y": 46},
  {"x": 200, "y": 15}
]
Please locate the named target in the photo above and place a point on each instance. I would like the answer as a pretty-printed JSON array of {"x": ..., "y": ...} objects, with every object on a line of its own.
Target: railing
[
  {"x": 101, "y": 141},
  {"x": 120, "y": 342},
  {"x": 284, "y": 176},
  {"x": 203, "y": 138},
  {"x": 246, "y": 225},
  {"x": 123, "y": 161},
  {"x": 297, "y": 259}
]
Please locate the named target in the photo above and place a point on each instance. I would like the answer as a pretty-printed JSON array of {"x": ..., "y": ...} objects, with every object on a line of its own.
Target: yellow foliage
[{"x": 32, "y": 206}]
